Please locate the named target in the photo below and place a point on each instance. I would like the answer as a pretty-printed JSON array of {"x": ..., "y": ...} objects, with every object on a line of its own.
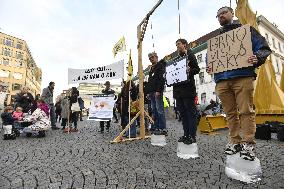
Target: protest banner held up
[
  {"x": 112, "y": 71},
  {"x": 101, "y": 108},
  {"x": 176, "y": 72},
  {"x": 229, "y": 50}
]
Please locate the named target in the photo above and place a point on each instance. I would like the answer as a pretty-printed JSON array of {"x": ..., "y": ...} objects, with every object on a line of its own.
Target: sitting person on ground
[
  {"x": 7, "y": 122},
  {"x": 18, "y": 116},
  {"x": 40, "y": 117}
]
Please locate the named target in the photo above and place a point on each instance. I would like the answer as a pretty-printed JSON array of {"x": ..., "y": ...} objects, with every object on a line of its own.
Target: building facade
[{"x": 17, "y": 67}]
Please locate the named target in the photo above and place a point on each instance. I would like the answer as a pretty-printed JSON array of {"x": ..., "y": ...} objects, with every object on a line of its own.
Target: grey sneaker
[
  {"x": 233, "y": 148},
  {"x": 248, "y": 152}
]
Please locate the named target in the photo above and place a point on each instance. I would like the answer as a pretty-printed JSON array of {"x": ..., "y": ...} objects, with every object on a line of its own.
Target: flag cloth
[
  {"x": 119, "y": 46},
  {"x": 268, "y": 97},
  {"x": 130, "y": 67},
  {"x": 245, "y": 14}
]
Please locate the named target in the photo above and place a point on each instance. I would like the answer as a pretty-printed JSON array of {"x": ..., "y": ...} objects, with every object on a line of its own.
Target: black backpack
[{"x": 263, "y": 131}]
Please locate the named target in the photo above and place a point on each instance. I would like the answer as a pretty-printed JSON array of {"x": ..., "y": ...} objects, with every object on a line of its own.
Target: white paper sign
[
  {"x": 101, "y": 108},
  {"x": 109, "y": 72},
  {"x": 176, "y": 72}
]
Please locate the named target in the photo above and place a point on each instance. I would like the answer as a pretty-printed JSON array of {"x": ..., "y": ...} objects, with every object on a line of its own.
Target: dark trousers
[
  {"x": 114, "y": 115},
  {"x": 74, "y": 119},
  {"x": 187, "y": 110},
  {"x": 102, "y": 125},
  {"x": 64, "y": 122}
]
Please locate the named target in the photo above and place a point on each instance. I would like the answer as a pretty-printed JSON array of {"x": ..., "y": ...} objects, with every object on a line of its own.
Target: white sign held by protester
[
  {"x": 101, "y": 108},
  {"x": 176, "y": 72},
  {"x": 109, "y": 72}
]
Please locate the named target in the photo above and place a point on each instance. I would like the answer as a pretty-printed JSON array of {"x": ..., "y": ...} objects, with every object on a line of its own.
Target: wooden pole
[
  {"x": 141, "y": 29},
  {"x": 140, "y": 36}
]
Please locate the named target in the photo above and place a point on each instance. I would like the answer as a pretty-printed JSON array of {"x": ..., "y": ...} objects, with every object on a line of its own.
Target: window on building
[
  {"x": 203, "y": 98},
  {"x": 273, "y": 42},
  {"x": 8, "y": 42},
  {"x": 201, "y": 78},
  {"x": 277, "y": 66},
  {"x": 19, "y": 63},
  {"x": 199, "y": 58},
  {"x": 279, "y": 45},
  {"x": 19, "y": 55},
  {"x": 16, "y": 86},
  {"x": 5, "y": 61},
  {"x": 19, "y": 46},
  {"x": 267, "y": 38},
  {"x": 7, "y": 52}
]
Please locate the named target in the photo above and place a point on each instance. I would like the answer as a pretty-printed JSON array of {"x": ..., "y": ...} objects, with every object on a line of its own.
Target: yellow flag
[
  {"x": 119, "y": 46},
  {"x": 130, "y": 67},
  {"x": 245, "y": 14}
]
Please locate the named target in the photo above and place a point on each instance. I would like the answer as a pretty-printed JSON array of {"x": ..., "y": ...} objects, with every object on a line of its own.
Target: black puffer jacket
[
  {"x": 24, "y": 100},
  {"x": 187, "y": 89},
  {"x": 156, "y": 81},
  {"x": 7, "y": 118}
]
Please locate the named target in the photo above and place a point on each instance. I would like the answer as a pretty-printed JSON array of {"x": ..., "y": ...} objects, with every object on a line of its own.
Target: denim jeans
[
  {"x": 188, "y": 112},
  {"x": 158, "y": 111},
  {"x": 132, "y": 128}
]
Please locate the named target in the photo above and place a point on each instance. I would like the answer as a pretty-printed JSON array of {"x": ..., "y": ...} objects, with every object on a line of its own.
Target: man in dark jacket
[
  {"x": 107, "y": 91},
  {"x": 155, "y": 89},
  {"x": 185, "y": 92},
  {"x": 235, "y": 90}
]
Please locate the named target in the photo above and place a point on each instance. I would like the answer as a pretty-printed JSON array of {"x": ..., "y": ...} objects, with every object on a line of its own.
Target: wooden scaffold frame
[{"x": 141, "y": 29}]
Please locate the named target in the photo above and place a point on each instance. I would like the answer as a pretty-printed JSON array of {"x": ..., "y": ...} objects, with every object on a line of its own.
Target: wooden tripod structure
[{"x": 141, "y": 29}]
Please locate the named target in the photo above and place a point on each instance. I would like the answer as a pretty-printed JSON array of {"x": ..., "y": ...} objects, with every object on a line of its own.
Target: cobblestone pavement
[{"x": 87, "y": 159}]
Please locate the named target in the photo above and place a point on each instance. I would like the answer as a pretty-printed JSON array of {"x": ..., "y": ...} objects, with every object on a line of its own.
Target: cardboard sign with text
[{"x": 230, "y": 50}]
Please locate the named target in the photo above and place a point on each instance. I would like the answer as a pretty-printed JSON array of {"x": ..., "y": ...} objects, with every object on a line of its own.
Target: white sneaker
[
  {"x": 248, "y": 152},
  {"x": 233, "y": 148}
]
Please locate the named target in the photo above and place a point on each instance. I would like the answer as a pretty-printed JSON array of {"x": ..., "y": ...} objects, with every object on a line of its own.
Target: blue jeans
[
  {"x": 132, "y": 128},
  {"x": 188, "y": 112},
  {"x": 158, "y": 111}
]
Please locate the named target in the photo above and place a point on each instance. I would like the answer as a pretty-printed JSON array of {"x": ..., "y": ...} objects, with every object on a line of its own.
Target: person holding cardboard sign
[
  {"x": 235, "y": 89},
  {"x": 185, "y": 92}
]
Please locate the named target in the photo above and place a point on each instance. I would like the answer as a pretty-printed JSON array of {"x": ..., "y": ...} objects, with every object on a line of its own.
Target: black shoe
[
  {"x": 107, "y": 129},
  {"x": 101, "y": 131},
  {"x": 54, "y": 128},
  {"x": 81, "y": 119},
  {"x": 116, "y": 121},
  {"x": 182, "y": 139},
  {"x": 188, "y": 141},
  {"x": 164, "y": 132},
  {"x": 62, "y": 128}
]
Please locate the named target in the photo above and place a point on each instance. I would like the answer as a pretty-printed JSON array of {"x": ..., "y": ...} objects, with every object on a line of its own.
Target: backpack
[{"x": 263, "y": 132}]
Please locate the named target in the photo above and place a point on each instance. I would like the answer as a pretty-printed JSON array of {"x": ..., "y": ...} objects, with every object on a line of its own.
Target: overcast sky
[{"x": 66, "y": 34}]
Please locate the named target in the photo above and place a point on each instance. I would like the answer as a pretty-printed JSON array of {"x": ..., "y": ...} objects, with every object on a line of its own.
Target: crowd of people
[{"x": 234, "y": 89}]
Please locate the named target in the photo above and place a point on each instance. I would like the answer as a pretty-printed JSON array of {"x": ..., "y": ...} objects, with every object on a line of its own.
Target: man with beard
[
  {"x": 235, "y": 90},
  {"x": 185, "y": 92},
  {"x": 47, "y": 96}
]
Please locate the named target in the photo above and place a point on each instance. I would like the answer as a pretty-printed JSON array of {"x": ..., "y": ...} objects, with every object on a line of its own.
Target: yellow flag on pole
[
  {"x": 130, "y": 67},
  {"x": 119, "y": 46},
  {"x": 245, "y": 14}
]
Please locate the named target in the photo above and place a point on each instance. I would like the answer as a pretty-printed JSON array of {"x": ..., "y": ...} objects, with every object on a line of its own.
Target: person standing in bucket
[
  {"x": 235, "y": 90},
  {"x": 155, "y": 89},
  {"x": 184, "y": 93}
]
